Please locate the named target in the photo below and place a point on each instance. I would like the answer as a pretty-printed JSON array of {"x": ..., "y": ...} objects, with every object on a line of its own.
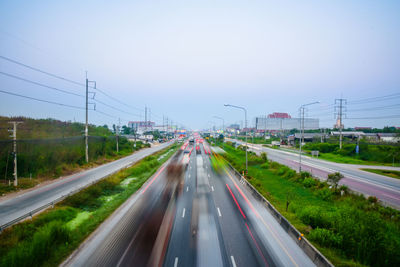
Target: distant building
[
  {"x": 279, "y": 115},
  {"x": 388, "y": 137},
  {"x": 234, "y": 126},
  {"x": 283, "y": 121},
  {"x": 306, "y": 137},
  {"x": 141, "y": 126}
]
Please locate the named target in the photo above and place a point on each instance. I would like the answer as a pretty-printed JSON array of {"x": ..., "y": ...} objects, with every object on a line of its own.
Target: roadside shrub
[
  {"x": 315, "y": 217},
  {"x": 326, "y": 237},
  {"x": 274, "y": 165},
  {"x": 309, "y": 182},
  {"x": 334, "y": 179},
  {"x": 265, "y": 165},
  {"x": 372, "y": 199},
  {"x": 290, "y": 173},
  {"x": 305, "y": 175},
  {"x": 325, "y": 194},
  {"x": 254, "y": 160},
  {"x": 264, "y": 156},
  {"x": 282, "y": 170}
]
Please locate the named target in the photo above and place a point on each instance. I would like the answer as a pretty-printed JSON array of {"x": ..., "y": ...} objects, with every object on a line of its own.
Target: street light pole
[
  {"x": 302, "y": 107},
  {"x": 245, "y": 125}
]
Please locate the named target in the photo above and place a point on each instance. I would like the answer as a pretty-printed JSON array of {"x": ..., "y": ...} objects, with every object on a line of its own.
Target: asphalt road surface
[
  {"x": 211, "y": 220},
  {"x": 384, "y": 188},
  {"x": 13, "y": 208}
]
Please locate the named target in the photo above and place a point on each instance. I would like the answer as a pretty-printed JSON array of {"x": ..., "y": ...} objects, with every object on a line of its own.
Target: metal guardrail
[{"x": 302, "y": 242}]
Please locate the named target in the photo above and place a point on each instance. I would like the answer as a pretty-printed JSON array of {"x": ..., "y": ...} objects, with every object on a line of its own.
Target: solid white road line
[
  {"x": 233, "y": 261},
  {"x": 212, "y": 188},
  {"x": 176, "y": 262},
  {"x": 219, "y": 212},
  {"x": 187, "y": 188},
  {"x": 183, "y": 213}
]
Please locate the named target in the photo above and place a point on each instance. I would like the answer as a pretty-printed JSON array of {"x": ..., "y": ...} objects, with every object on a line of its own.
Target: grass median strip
[
  {"x": 348, "y": 229},
  {"x": 388, "y": 173},
  {"x": 54, "y": 234}
]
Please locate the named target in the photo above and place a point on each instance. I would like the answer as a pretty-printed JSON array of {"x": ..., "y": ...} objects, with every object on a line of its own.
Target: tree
[
  {"x": 334, "y": 178},
  {"x": 264, "y": 156},
  {"x": 126, "y": 130}
]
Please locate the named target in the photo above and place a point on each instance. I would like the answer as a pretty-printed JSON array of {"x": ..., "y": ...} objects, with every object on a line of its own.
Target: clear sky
[{"x": 185, "y": 59}]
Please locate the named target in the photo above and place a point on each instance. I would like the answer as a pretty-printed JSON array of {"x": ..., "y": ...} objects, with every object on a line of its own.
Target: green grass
[
  {"x": 52, "y": 235},
  {"x": 388, "y": 173},
  {"x": 349, "y": 230},
  {"x": 345, "y": 159}
]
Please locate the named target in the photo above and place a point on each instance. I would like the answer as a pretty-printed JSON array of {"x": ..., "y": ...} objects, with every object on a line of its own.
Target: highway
[
  {"x": 384, "y": 188},
  {"x": 13, "y": 208},
  {"x": 212, "y": 220}
]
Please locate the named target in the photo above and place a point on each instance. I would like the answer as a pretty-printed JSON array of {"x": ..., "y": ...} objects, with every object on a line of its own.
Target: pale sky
[{"x": 185, "y": 59}]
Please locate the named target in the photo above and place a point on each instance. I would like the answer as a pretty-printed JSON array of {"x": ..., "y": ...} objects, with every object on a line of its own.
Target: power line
[
  {"x": 372, "y": 118},
  {"x": 376, "y": 108},
  {"x": 120, "y": 110},
  {"x": 117, "y": 100},
  {"x": 66, "y": 79},
  {"x": 41, "y": 100},
  {"x": 41, "y": 71},
  {"x": 57, "y": 89},
  {"x": 374, "y": 99},
  {"x": 40, "y": 84}
]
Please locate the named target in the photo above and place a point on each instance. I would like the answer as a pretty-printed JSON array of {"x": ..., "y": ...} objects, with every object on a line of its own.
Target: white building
[{"x": 278, "y": 124}]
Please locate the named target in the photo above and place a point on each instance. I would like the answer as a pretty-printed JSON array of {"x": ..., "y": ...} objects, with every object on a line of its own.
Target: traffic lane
[
  {"x": 13, "y": 208},
  {"x": 131, "y": 230},
  {"x": 210, "y": 251},
  {"x": 281, "y": 248},
  {"x": 181, "y": 245},
  {"x": 235, "y": 236}
]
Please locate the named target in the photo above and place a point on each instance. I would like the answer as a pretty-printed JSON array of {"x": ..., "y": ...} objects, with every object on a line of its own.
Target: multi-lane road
[
  {"x": 213, "y": 221},
  {"x": 13, "y": 208},
  {"x": 384, "y": 188}
]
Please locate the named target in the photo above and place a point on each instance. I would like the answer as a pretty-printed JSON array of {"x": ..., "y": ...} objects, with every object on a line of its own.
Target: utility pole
[
  {"x": 14, "y": 136},
  {"x": 87, "y": 118},
  {"x": 118, "y": 127},
  {"x": 86, "y": 122},
  {"x": 339, "y": 111},
  {"x": 302, "y": 108},
  {"x": 265, "y": 126},
  {"x": 145, "y": 118}
]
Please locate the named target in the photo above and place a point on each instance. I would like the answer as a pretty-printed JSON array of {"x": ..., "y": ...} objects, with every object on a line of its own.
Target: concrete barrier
[{"x": 301, "y": 241}]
